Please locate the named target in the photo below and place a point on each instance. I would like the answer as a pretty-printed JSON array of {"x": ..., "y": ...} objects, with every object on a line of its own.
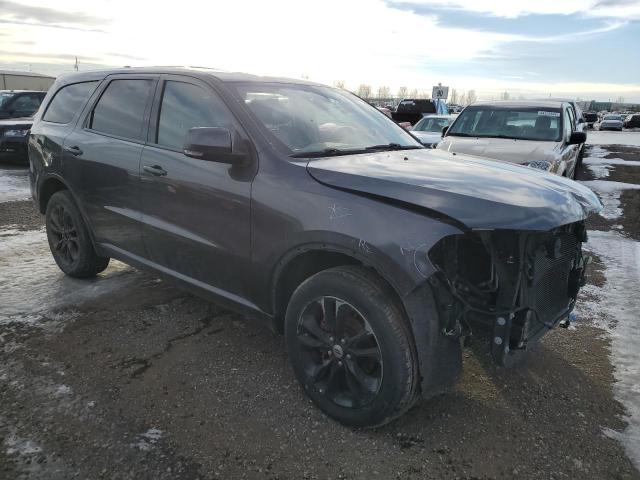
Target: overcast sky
[{"x": 585, "y": 48}]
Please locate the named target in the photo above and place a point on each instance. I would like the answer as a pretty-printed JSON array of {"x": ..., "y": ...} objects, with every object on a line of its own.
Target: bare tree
[
  {"x": 413, "y": 93},
  {"x": 364, "y": 91},
  {"x": 338, "y": 84},
  {"x": 423, "y": 94},
  {"x": 471, "y": 96},
  {"x": 505, "y": 96},
  {"x": 454, "y": 96},
  {"x": 402, "y": 92},
  {"x": 620, "y": 100},
  {"x": 384, "y": 92}
]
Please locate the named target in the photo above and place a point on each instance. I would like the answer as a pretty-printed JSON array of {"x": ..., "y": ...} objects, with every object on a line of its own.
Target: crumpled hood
[
  {"x": 504, "y": 149},
  {"x": 479, "y": 193}
]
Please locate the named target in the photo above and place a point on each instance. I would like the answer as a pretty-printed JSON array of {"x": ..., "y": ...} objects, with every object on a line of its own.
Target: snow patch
[
  {"x": 148, "y": 439},
  {"x": 610, "y": 161},
  {"x": 36, "y": 292},
  {"x": 21, "y": 446},
  {"x": 14, "y": 185},
  {"x": 605, "y": 186},
  {"x": 609, "y": 193},
  {"x": 614, "y": 307}
]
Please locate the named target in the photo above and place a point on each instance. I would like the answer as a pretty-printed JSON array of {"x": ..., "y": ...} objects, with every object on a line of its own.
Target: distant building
[{"x": 14, "y": 80}]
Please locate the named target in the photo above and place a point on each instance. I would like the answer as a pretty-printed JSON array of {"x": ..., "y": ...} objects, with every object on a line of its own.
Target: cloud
[
  {"x": 46, "y": 15},
  {"x": 625, "y": 9}
]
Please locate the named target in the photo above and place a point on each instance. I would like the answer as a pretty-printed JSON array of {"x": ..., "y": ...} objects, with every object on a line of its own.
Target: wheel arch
[
  {"x": 301, "y": 263},
  {"x": 47, "y": 188}
]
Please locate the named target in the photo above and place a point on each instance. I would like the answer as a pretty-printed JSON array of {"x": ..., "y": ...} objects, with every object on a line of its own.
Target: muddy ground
[{"x": 142, "y": 381}]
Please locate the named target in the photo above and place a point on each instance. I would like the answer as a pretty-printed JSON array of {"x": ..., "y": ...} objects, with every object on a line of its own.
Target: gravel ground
[{"x": 128, "y": 377}]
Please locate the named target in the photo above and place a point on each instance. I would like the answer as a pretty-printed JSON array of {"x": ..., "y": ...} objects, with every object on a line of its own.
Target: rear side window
[
  {"x": 120, "y": 110},
  {"x": 67, "y": 101},
  {"x": 185, "y": 106},
  {"x": 27, "y": 104}
]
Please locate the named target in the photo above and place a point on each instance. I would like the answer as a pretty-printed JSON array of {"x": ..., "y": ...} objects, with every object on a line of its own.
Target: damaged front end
[{"x": 513, "y": 286}]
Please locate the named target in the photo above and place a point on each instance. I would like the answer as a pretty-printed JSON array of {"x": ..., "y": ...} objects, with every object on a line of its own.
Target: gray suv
[{"x": 304, "y": 206}]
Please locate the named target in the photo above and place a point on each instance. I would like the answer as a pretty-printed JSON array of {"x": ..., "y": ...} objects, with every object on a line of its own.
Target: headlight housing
[
  {"x": 23, "y": 132},
  {"x": 539, "y": 165}
]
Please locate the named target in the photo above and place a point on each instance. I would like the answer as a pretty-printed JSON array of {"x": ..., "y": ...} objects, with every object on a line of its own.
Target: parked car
[
  {"x": 611, "y": 122},
  {"x": 591, "y": 118},
  {"x": 307, "y": 208},
  {"x": 538, "y": 134},
  {"x": 632, "y": 121},
  {"x": 14, "y": 134},
  {"x": 19, "y": 103},
  {"x": 411, "y": 110},
  {"x": 429, "y": 129}
]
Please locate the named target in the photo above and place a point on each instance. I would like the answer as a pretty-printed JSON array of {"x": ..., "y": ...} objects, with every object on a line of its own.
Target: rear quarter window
[{"x": 67, "y": 101}]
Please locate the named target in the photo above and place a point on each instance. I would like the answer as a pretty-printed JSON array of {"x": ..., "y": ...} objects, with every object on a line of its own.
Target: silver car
[
  {"x": 537, "y": 134},
  {"x": 612, "y": 122},
  {"x": 429, "y": 129}
]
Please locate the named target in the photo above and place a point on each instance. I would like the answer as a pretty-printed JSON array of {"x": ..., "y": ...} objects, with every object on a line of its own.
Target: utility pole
[{"x": 76, "y": 65}]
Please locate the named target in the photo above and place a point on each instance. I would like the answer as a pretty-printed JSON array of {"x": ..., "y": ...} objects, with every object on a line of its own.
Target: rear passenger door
[
  {"x": 103, "y": 154},
  {"x": 196, "y": 213}
]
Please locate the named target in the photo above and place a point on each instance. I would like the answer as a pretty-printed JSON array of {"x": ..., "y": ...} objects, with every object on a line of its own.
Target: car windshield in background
[
  {"x": 613, "y": 117},
  {"x": 319, "y": 121},
  {"x": 432, "y": 124},
  {"x": 4, "y": 97},
  {"x": 535, "y": 123}
]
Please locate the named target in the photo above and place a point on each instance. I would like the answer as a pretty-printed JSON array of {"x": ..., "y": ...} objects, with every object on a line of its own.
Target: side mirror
[
  {"x": 209, "y": 143},
  {"x": 577, "y": 138},
  {"x": 580, "y": 120},
  {"x": 444, "y": 131}
]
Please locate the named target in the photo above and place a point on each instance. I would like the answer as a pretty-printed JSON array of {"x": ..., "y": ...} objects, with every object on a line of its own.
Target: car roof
[
  {"x": 197, "y": 72},
  {"x": 520, "y": 104}
]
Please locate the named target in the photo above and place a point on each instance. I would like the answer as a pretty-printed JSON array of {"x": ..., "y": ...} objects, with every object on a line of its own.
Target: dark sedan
[{"x": 14, "y": 134}]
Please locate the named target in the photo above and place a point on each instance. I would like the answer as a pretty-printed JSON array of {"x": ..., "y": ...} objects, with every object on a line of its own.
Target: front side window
[
  {"x": 309, "y": 120},
  {"x": 120, "y": 110},
  {"x": 185, "y": 106},
  {"x": 5, "y": 97},
  {"x": 67, "y": 101},
  {"x": 531, "y": 123}
]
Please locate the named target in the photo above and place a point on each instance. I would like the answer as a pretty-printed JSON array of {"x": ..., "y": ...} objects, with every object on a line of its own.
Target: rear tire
[
  {"x": 351, "y": 348},
  {"x": 69, "y": 239}
]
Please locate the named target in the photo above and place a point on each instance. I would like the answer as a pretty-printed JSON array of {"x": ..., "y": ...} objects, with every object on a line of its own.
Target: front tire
[
  {"x": 69, "y": 239},
  {"x": 351, "y": 348}
]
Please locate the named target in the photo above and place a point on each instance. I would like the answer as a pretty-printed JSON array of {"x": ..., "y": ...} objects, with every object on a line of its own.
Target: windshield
[
  {"x": 432, "y": 124},
  {"x": 532, "y": 123},
  {"x": 612, "y": 117},
  {"x": 5, "y": 97},
  {"x": 315, "y": 121}
]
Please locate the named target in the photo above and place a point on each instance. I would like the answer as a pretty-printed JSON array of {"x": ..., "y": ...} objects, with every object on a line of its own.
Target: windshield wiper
[
  {"x": 392, "y": 146},
  {"x": 460, "y": 134},
  {"x": 327, "y": 152}
]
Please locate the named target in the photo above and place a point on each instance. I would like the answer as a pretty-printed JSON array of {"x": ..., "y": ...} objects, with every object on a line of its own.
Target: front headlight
[
  {"x": 17, "y": 133},
  {"x": 539, "y": 164}
]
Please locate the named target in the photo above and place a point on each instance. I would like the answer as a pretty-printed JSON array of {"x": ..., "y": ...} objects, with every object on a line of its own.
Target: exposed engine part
[{"x": 513, "y": 285}]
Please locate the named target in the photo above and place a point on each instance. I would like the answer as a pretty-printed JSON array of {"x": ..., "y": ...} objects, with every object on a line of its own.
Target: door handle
[
  {"x": 156, "y": 170},
  {"x": 75, "y": 150}
]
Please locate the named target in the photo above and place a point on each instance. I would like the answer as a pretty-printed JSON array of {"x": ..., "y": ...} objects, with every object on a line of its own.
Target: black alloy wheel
[{"x": 340, "y": 352}]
